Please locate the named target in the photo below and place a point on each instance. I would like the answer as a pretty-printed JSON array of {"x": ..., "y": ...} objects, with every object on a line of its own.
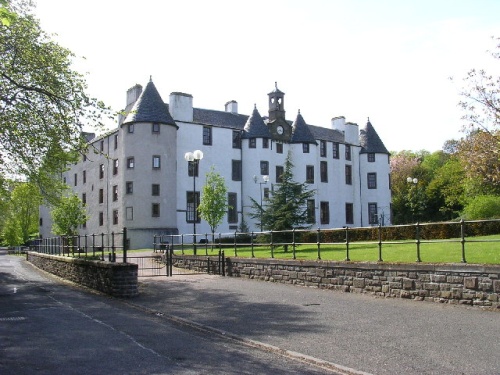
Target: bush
[{"x": 483, "y": 207}]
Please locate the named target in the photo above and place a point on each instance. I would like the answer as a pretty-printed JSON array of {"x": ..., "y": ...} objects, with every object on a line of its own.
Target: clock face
[{"x": 279, "y": 129}]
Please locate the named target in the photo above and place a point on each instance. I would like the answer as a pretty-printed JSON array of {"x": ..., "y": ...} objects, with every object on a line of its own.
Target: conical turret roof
[
  {"x": 301, "y": 132},
  {"x": 370, "y": 141},
  {"x": 255, "y": 126},
  {"x": 150, "y": 107}
]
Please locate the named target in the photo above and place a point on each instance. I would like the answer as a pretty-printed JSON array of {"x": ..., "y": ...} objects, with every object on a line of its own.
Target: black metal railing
[
  {"x": 104, "y": 246},
  {"x": 463, "y": 233}
]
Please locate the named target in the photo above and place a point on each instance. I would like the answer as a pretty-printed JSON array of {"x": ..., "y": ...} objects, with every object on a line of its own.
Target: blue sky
[{"x": 387, "y": 60}]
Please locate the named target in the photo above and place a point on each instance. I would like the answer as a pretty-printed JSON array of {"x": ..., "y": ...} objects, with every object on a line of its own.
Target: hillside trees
[{"x": 43, "y": 102}]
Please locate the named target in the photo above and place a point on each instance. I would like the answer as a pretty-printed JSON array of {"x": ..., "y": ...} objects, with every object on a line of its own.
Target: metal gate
[
  {"x": 167, "y": 263},
  {"x": 149, "y": 265}
]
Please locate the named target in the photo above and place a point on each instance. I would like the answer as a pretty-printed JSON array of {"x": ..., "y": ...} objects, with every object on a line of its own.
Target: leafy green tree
[
  {"x": 68, "y": 215},
  {"x": 43, "y": 102},
  {"x": 24, "y": 203},
  {"x": 483, "y": 207},
  {"x": 11, "y": 232},
  {"x": 213, "y": 203},
  {"x": 286, "y": 207}
]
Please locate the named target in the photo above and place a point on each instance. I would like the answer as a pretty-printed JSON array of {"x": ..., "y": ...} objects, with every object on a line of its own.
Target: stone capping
[
  {"x": 116, "y": 279},
  {"x": 453, "y": 283}
]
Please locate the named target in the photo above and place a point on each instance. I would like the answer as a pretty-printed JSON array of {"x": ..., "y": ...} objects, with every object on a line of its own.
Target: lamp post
[
  {"x": 265, "y": 178},
  {"x": 414, "y": 182},
  {"x": 193, "y": 159}
]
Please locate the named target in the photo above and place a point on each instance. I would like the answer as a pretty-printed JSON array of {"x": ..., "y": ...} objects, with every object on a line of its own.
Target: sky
[{"x": 386, "y": 60}]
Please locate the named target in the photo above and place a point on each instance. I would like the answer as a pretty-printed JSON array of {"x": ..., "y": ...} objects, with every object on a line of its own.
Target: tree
[
  {"x": 286, "y": 207},
  {"x": 68, "y": 215},
  {"x": 213, "y": 204},
  {"x": 483, "y": 207},
  {"x": 23, "y": 209},
  {"x": 43, "y": 102}
]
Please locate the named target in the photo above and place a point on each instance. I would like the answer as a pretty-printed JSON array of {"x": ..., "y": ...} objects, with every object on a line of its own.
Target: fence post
[
  {"x": 113, "y": 256},
  {"x": 271, "y": 244},
  {"x": 223, "y": 263},
  {"x": 462, "y": 239},
  {"x": 220, "y": 241},
  {"x": 293, "y": 244},
  {"x": 318, "y": 242},
  {"x": 235, "y": 250},
  {"x": 102, "y": 246},
  {"x": 206, "y": 243},
  {"x": 182, "y": 244},
  {"x": 251, "y": 243},
  {"x": 347, "y": 244},
  {"x": 124, "y": 245},
  {"x": 417, "y": 241},
  {"x": 380, "y": 242}
]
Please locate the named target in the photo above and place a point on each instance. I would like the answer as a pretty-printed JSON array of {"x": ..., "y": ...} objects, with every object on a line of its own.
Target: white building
[{"x": 136, "y": 176}]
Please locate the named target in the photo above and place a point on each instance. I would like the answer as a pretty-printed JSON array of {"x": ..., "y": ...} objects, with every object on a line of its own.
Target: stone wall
[
  {"x": 466, "y": 284},
  {"x": 116, "y": 279}
]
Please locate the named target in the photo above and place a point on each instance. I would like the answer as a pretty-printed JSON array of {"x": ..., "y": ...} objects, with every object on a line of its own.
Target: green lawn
[{"x": 482, "y": 250}]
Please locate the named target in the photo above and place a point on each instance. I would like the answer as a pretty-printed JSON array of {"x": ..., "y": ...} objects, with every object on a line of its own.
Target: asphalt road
[{"x": 214, "y": 325}]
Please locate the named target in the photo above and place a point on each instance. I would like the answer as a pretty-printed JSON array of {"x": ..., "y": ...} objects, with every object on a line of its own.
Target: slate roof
[
  {"x": 255, "y": 126},
  {"x": 301, "y": 132},
  {"x": 219, "y": 118},
  {"x": 150, "y": 108},
  {"x": 370, "y": 141},
  {"x": 325, "y": 134}
]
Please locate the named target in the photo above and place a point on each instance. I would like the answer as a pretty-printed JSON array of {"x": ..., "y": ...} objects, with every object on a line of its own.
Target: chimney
[
  {"x": 133, "y": 94},
  {"x": 232, "y": 106},
  {"x": 180, "y": 106}
]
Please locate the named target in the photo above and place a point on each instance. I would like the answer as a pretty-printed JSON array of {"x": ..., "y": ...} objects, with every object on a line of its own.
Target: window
[
  {"x": 129, "y": 213},
  {"x": 115, "y": 193},
  {"x": 84, "y": 157},
  {"x": 193, "y": 201},
  {"x": 76, "y": 179},
  {"x": 279, "y": 174},
  {"x": 236, "y": 170},
  {"x": 40, "y": 222},
  {"x": 252, "y": 143},
  {"x": 155, "y": 127},
  {"x": 323, "y": 170},
  {"x": 130, "y": 128},
  {"x": 322, "y": 149},
  {"x": 84, "y": 198},
  {"x": 305, "y": 148},
  {"x": 101, "y": 195},
  {"x": 116, "y": 141},
  {"x": 84, "y": 175},
  {"x": 335, "y": 150},
  {"x": 266, "y": 193},
  {"x": 102, "y": 146},
  {"x": 130, "y": 163},
  {"x": 372, "y": 213},
  {"x": 372, "y": 180},
  {"x": 101, "y": 219},
  {"x": 101, "y": 171},
  {"x": 193, "y": 168},
  {"x": 207, "y": 135},
  {"x": 264, "y": 168},
  {"x": 115, "y": 166},
  {"x": 236, "y": 139},
  {"x": 129, "y": 187},
  {"x": 64, "y": 179},
  {"x": 348, "y": 175},
  {"x": 310, "y": 174},
  {"x": 279, "y": 147},
  {"x": 232, "y": 211},
  {"x": 155, "y": 210},
  {"x": 265, "y": 142},
  {"x": 115, "y": 217},
  {"x": 156, "y": 162},
  {"x": 347, "y": 152},
  {"x": 311, "y": 212},
  {"x": 155, "y": 189},
  {"x": 349, "y": 213},
  {"x": 324, "y": 213},
  {"x": 371, "y": 157}
]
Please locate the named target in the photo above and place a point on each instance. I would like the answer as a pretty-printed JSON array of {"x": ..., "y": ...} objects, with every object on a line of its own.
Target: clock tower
[{"x": 278, "y": 126}]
